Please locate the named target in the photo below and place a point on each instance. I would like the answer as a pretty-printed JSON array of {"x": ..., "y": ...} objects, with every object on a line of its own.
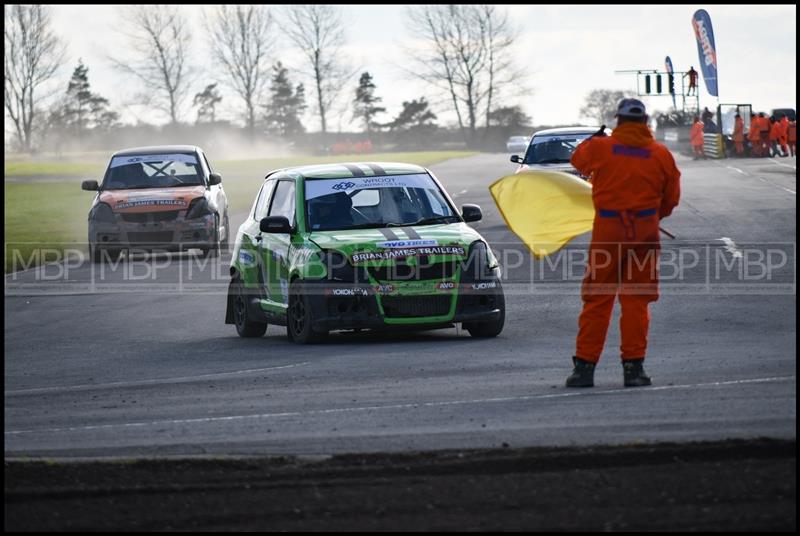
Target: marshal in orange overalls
[
  {"x": 791, "y": 135},
  {"x": 754, "y": 136},
  {"x": 738, "y": 136},
  {"x": 635, "y": 183},
  {"x": 696, "y": 138}
]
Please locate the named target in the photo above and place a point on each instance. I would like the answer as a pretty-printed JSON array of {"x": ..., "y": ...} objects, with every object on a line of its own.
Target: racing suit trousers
[{"x": 623, "y": 261}]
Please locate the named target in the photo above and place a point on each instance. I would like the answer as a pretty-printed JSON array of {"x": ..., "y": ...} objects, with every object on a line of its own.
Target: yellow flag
[{"x": 545, "y": 209}]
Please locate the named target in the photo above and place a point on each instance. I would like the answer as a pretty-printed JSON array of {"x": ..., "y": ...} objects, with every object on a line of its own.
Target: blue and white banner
[
  {"x": 670, "y": 71},
  {"x": 701, "y": 22}
]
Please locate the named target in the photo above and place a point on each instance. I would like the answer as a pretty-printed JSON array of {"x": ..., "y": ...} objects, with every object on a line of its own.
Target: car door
[
  {"x": 216, "y": 192},
  {"x": 250, "y": 251},
  {"x": 275, "y": 246}
]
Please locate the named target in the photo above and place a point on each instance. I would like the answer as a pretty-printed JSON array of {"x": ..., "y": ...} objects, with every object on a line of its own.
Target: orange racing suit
[
  {"x": 635, "y": 183},
  {"x": 738, "y": 136}
]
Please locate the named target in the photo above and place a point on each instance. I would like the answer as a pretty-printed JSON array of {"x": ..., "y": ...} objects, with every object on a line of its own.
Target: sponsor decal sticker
[
  {"x": 245, "y": 257},
  {"x": 346, "y": 292},
  {"x": 320, "y": 187},
  {"x": 391, "y": 244},
  {"x": 484, "y": 285},
  {"x": 384, "y": 289},
  {"x": 150, "y": 203},
  {"x": 445, "y": 285},
  {"x": 343, "y": 185},
  {"x": 118, "y": 161},
  {"x": 365, "y": 256}
]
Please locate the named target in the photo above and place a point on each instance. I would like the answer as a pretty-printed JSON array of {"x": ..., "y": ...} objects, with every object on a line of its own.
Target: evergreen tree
[
  {"x": 286, "y": 105},
  {"x": 83, "y": 110},
  {"x": 365, "y": 102},
  {"x": 414, "y": 125}
]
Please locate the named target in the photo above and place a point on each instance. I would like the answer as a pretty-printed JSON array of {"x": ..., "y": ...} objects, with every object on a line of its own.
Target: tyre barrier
[{"x": 714, "y": 145}]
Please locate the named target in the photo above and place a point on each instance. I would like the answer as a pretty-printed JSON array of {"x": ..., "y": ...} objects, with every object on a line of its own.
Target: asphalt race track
[{"x": 140, "y": 363}]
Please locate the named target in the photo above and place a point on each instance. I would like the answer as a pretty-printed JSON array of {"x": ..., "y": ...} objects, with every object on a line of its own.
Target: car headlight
[
  {"x": 102, "y": 212},
  {"x": 476, "y": 266},
  {"x": 198, "y": 208},
  {"x": 337, "y": 266}
]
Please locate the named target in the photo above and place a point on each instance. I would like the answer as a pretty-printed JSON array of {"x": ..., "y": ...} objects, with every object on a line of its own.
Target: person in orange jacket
[
  {"x": 635, "y": 183},
  {"x": 696, "y": 138},
  {"x": 738, "y": 135},
  {"x": 784, "y": 123},
  {"x": 764, "y": 129},
  {"x": 791, "y": 136},
  {"x": 754, "y": 136},
  {"x": 775, "y": 131}
]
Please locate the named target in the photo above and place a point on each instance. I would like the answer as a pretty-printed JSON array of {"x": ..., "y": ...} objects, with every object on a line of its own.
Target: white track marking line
[
  {"x": 399, "y": 406},
  {"x": 782, "y": 164},
  {"x": 760, "y": 178},
  {"x": 91, "y": 386},
  {"x": 736, "y": 169},
  {"x": 731, "y": 247},
  {"x": 777, "y": 186}
]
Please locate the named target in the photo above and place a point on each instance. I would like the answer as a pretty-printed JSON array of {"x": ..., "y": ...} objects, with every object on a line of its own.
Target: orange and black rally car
[{"x": 158, "y": 198}]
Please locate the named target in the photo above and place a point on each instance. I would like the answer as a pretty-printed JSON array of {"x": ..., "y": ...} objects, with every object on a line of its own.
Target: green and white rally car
[{"x": 361, "y": 246}]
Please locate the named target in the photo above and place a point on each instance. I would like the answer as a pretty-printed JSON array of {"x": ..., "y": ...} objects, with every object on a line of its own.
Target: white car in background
[
  {"x": 551, "y": 149},
  {"x": 517, "y": 144}
]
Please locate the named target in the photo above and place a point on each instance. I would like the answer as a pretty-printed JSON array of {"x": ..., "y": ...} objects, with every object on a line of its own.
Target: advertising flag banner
[
  {"x": 670, "y": 70},
  {"x": 701, "y": 22}
]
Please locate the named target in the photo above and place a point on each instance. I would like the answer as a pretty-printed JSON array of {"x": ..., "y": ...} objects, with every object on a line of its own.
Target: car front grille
[
  {"x": 415, "y": 306},
  {"x": 144, "y": 217},
  {"x": 160, "y": 237},
  {"x": 406, "y": 272}
]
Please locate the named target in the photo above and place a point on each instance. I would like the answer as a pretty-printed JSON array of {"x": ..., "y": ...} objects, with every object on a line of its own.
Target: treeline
[{"x": 463, "y": 54}]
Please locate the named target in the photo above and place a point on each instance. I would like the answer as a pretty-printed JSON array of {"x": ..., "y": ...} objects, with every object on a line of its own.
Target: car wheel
[
  {"x": 245, "y": 326},
  {"x": 299, "y": 317},
  {"x": 483, "y": 330}
]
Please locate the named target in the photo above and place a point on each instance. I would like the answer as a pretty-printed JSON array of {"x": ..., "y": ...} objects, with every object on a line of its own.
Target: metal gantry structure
[{"x": 650, "y": 79}]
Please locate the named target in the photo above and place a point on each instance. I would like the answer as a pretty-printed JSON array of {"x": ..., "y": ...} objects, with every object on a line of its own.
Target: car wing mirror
[
  {"x": 516, "y": 159},
  {"x": 471, "y": 213},
  {"x": 275, "y": 224},
  {"x": 90, "y": 186},
  {"x": 214, "y": 179}
]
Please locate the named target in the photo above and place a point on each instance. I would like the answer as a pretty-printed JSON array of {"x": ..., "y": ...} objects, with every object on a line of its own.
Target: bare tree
[
  {"x": 159, "y": 43},
  {"x": 498, "y": 38},
  {"x": 317, "y": 30},
  {"x": 467, "y": 53},
  {"x": 241, "y": 41},
  {"x": 601, "y": 105},
  {"x": 32, "y": 55}
]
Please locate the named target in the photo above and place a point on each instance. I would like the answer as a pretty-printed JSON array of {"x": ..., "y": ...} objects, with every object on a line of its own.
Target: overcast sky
[{"x": 567, "y": 51}]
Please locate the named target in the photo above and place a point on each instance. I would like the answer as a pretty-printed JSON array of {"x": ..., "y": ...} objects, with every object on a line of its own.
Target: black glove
[{"x": 600, "y": 133}]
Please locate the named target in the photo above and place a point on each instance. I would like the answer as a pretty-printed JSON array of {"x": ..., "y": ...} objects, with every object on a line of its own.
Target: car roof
[
  {"x": 158, "y": 149},
  {"x": 567, "y": 130},
  {"x": 348, "y": 170}
]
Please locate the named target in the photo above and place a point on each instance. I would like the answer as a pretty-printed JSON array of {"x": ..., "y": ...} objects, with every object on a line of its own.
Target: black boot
[
  {"x": 582, "y": 375},
  {"x": 633, "y": 372}
]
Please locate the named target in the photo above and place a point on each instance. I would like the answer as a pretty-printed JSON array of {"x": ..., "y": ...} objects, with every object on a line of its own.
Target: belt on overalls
[{"x": 627, "y": 217}]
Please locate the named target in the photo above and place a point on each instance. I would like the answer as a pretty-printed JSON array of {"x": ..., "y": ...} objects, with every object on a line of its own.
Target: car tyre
[
  {"x": 245, "y": 326},
  {"x": 485, "y": 330},
  {"x": 300, "y": 317}
]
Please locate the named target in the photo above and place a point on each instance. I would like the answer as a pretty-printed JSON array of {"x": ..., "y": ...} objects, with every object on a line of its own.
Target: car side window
[
  {"x": 262, "y": 204},
  {"x": 283, "y": 202}
]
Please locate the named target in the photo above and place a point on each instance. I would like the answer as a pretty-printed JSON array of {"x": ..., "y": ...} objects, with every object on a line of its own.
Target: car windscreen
[
  {"x": 153, "y": 171},
  {"x": 553, "y": 149},
  {"x": 372, "y": 202}
]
